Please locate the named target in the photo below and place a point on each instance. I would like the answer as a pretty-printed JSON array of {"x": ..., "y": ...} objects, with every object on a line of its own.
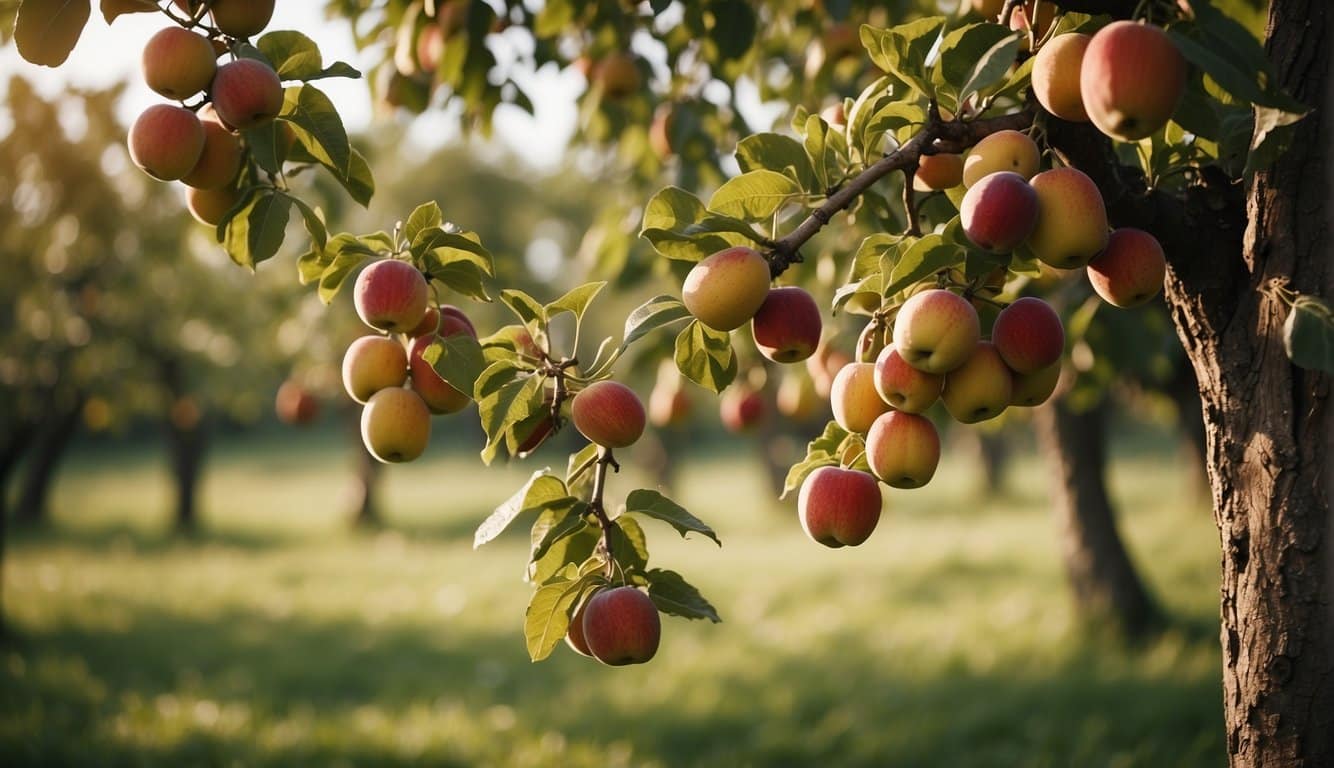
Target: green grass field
[{"x": 279, "y": 637}]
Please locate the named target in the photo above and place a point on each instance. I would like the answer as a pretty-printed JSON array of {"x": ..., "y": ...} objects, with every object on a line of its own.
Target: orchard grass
[{"x": 279, "y": 636}]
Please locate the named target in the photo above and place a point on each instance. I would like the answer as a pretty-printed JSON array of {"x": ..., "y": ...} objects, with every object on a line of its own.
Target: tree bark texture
[{"x": 1106, "y": 587}]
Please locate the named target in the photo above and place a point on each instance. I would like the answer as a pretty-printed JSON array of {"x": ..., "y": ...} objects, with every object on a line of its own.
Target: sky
[{"x": 107, "y": 54}]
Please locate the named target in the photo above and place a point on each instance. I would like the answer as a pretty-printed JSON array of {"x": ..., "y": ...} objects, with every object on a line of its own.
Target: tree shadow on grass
[{"x": 302, "y": 691}]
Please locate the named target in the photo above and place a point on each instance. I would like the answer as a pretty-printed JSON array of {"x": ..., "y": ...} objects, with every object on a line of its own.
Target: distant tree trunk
[
  {"x": 1107, "y": 590},
  {"x": 187, "y": 440},
  {"x": 17, "y": 439},
  {"x": 48, "y": 446},
  {"x": 991, "y": 450},
  {"x": 365, "y": 510}
]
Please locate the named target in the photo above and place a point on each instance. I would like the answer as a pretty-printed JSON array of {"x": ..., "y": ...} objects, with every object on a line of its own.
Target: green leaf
[
  {"x": 653, "y": 504},
  {"x": 821, "y": 452},
  {"x": 902, "y": 51},
  {"x": 991, "y": 66},
  {"x": 458, "y": 359},
  {"x": 675, "y": 596},
  {"x": 318, "y": 128},
  {"x": 776, "y": 152},
  {"x": 572, "y": 549},
  {"x": 1308, "y": 334},
  {"x": 823, "y": 157},
  {"x": 291, "y": 54},
  {"x": 542, "y": 491},
  {"x": 555, "y": 525},
  {"x": 423, "y": 217},
  {"x": 629, "y": 547},
  {"x": 113, "y": 9},
  {"x": 926, "y": 257},
  {"x": 575, "y": 301},
  {"x": 754, "y": 195},
  {"x": 734, "y": 27},
  {"x": 255, "y": 234},
  {"x": 968, "y": 51},
  {"x": 705, "y": 356},
  {"x": 347, "y": 254},
  {"x": 460, "y": 270},
  {"x": 359, "y": 184},
  {"x": 530, "y": 311},
  {"x": 501, "y": 409},
  {"x": 679, "y": 227},
  {"x": 47, "y": 30},
  {"x": 548, "y": 616},
  {"x": 652, "y": 315}
]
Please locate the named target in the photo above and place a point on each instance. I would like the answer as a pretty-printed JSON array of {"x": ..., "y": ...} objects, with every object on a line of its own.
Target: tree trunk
[
  {"x": 1269, "y": 427},
  {"x": 991, "y": 451},
  {"x": 18, "y": 438},
  {"x": 187, "y": 439},
  {"x": 365, "y": 511},
  {"x": 1107, "y": 590},
  {"x": 49, "y": 444}
]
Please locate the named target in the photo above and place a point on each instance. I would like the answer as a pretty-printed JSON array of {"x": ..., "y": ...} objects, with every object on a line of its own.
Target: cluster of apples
[
  {"x": 937, "y": 354},
  {"x": 199, "y": 145},
  {"x": 391, "y": 376}
]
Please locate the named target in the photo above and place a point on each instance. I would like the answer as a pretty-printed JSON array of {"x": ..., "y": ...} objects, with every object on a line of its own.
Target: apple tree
[{"x": 1167, "y": 147}]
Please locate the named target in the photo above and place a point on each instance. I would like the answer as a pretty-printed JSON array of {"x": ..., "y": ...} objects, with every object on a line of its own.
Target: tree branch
[
  {"x": 936, "y": 136},
  {"x": 596, "y": 506}
]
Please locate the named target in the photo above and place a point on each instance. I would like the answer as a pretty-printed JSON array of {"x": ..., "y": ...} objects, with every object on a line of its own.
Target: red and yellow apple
[
  {"x": 220, "y": 160},
  {"x": 839, "y": 507},
  {"x": 390, "y": 295},
  {"x": 621, "y": 626},
  {"x": 395, "y": 425},
  {"x": 725, "y": 289},
  {"x": 853, "y": 397},
  {"x": 1028, "y": 335},
  {"x": 903, "y": 386},
  {"x": 1131, "y": 79},
  {"x": 373, "y": 363},
  {"x": 980, "y": 389},
  {"x": 1072, "y": 220},
  {"x": 609, "y": 414},
  {"x": 787, "y": 325},
  {"x": 1001, "y": 151},
  {"x": 178, "y": 63},
  {"x": 903, "y": 449},
  {"x": 1056, "y": 76},
  {"x": 999, "y": 211},
  {"x": 246, "y": 93},
  {"x": 936, "y": 330},
  {"x": 1130, "y": 270},
  {"x": 166, "y": 141}
]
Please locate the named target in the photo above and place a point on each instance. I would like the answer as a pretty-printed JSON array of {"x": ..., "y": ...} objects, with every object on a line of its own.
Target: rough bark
[
  {"x": 1106, "y": 587},
  {"x": 48, "y": 447},
  {"x": 1269, "y": 425}
]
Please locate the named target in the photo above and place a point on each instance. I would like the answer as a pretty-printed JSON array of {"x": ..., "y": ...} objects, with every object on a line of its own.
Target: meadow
[{"x": 280, "y": 636}]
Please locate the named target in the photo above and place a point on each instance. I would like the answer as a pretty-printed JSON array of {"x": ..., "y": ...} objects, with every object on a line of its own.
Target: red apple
[
  {"x": 1030, "y": 389},
  {"x": 1028, "y": 335},
  {"x": 439, "y": 395},
  {"x": 178, "y": 63},
  {"x": 1130, "y": 270},
  {"x": 220, "y": 160},
  {"x": 999, "y": 212},
  {"x": 608, "y": 413},
  {"x": 787, "y": 325},
  {"x": 294, "y": 404},
  {"x": 903, "y": 449},
  {"x": 241, "y": 18},
  {"x": 839, "y": 507},
  {"x": 208, "y": 206},
  {"x": 246, "y": 93},
  {"x": 1001, "y": 151},
  {"x": 574, "y": 635},
  {"x": 1056, "y": 76},
  {"x": 936, "y": 330},
  {"x": 1131, "y": 79},
  {"x": 903, "y": 386},
  {"x": 741, "y": 408},
  {"x": 1072, "y": 220},
  {"x": 621, "y": 626},
  {"x": 166, "y": 141},
  {"x": 390, "y": 295}
]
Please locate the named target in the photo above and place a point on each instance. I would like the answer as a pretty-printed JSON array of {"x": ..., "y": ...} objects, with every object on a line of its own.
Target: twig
[{"x": 596, "y": 506}]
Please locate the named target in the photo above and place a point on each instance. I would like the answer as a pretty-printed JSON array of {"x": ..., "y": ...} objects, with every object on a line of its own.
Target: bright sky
[{"x": 107, "y": 54}]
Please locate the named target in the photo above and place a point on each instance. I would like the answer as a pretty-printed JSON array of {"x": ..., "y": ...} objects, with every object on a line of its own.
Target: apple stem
[
  {"x": 596, "y": 506},
  {"x": 557, "y": 372},
  {"x": 937, "y": 135}
]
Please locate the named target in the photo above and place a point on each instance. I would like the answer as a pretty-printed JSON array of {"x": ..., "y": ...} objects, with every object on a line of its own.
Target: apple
[
  {"x": 834, "y": 114},
  {"x": 980, "y": 389},
  {"x": 240, "y": 18},
  {"x": 208, "y": 206},
  {"x": 246, "y": 93},
  {"x": 660, "y": 130},
  {"x": 178, "y": 63},
  {"x": 166, "y": 141},
  {"x": 1033, "y": 20},
  {"x": 839, "y": 507},
  {"x": 1028, "y": 335},
  {"x": 903, "y": 449},
  {"x": 1131, "y": 79},
  {"x": 936, "y": 330},
  {"x": 668, "y": 406},
  {"x": 1001, "y": 151},
  {"x": 445, "y": 320},
  {"x": 943, "y": 170},
  {"x": 539, "y": 433},
  {"x": 787, "y": 325},
  {"x": 741, "y": 408},
  {"x": 608, "y": 413},
  {"x": 439, "y": 395},
  {"x": 390, "y": 295},
  {"x": 294, "y": 404},
  {"x": 395, "y": 425},
  {"x": 903, "y": 386},
  {"x": 1130, "y": 270},
  {"x": 853, "y": 397},
  {"x": 220, "y": 160},
  {"x": 725, "y": 289},
  {"x": 999, "y": 211},
  {"x": 1056, "y": 76},
  {"x": 373, "y": 363},
  {"x": 429, "y": 47},
  {"x": 1072, "y": 220},
  {"x": 1030, "y": 389},
  {"x": 824, "y": 365},
  {"x": 618, "y": 75},
  {"x": 621, "y": 626}
]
